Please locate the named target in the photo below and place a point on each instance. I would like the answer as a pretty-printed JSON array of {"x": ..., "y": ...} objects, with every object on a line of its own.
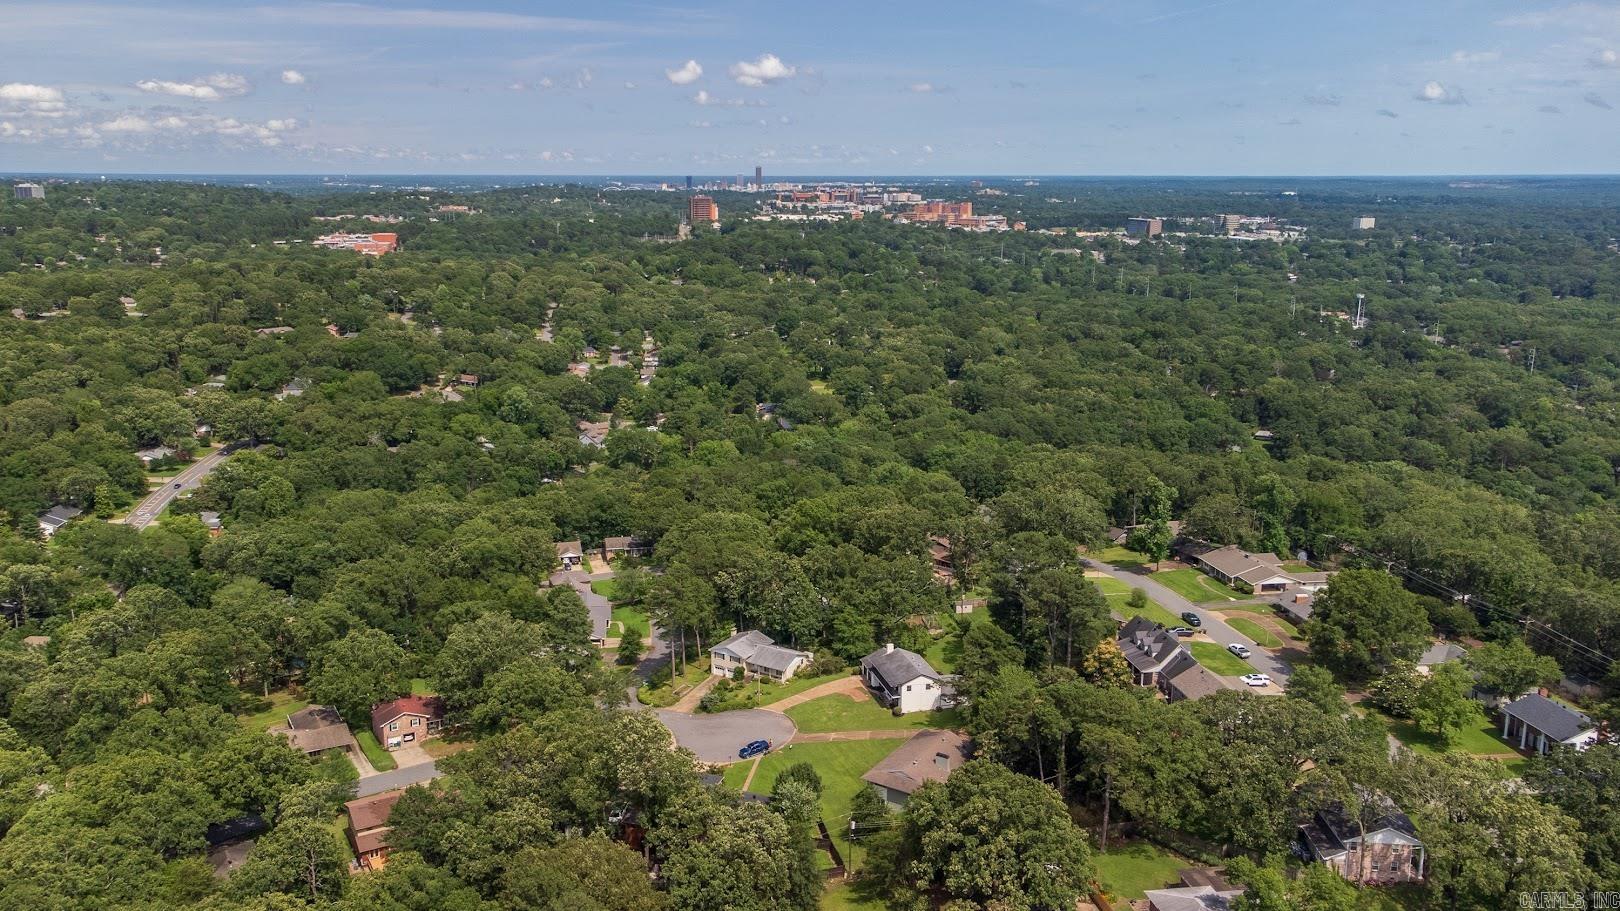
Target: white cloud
[
  {"x": 767, "y": 69},
  {"x": 922, "y": 88},
  {"x": 127, "y": 123},
  {"x": 1475, "y": 56},
  {"x": 23, "y": 98},
  {"x": 685, "y": 74},
  {"x": 1437, "y": 93},
  {"x": 293, "y": 77},
  {"x": 630, "y": 86},
  {"x": 206, "y": 88},
  {"x": 1605, "y": 59}
]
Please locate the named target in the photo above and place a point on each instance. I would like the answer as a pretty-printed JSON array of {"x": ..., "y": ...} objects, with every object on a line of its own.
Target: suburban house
[
  {"x": 1116, "y": 535},
  {"x": 316, "y": 729},
  {"x": 594, "y": 433},
  {"x": 758, "y": 656},
  {"x": 230, "y": 842},
  {"x": 1381, "y": 847},
  {"x": 1191, "y": 898},
  {"x": 1184, "y": 678},
  {"x": 368, "y": 827},
  {"x": 52, "y": 520},
  {"x": 1537, "y": 724},
  {"x": 211, "y": 521},
  {"x": 570, "y": 554},
  {"x": 939, "y": 551},
  {"x": 903, "y": 680},
  {"x": 1262, "y": 573},
  {"x": 625, "y": 547},
  {"x": 155, "y": 454},
  {"x": 929, "y": 756},
  {"x": 1148, "y": 648},
  {"x": 406, "y": 720},
  {"x": 1438, "y": 653}
]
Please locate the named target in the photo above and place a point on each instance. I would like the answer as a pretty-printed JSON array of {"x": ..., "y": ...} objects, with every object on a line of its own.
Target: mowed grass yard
[
  {"x": 1119, "y": 556},
  {"x": 841, "y": 713},
  {"x": 840, "y": 765},
  {"x": 280, "y": 706},
  {"x": 635, "y": 622},
  {"x": 1217, "y": 659},
  {"x": 1195, "y": 586},
  {"x": 1118, "y": 594},
  {"x": 1129, "y": 871},
  {"x": 1480, "y": 738},
  {"x": 1255, "y": 631}
]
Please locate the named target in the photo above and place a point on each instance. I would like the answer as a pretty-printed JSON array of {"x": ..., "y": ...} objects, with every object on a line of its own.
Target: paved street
[
  {"x": 147, "y": 511},
  {"x": 1215, "y": 629},
  {"x": 398, "y": 778},
  {"x": 716, "y": 738}
]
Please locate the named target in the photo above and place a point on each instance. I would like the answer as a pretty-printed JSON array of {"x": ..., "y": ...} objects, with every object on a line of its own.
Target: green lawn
[
  {"x": 840, "y": 713},
  {"x": 946, "y": 649},
  {"x": 1119, "y": 556},
  {"x": 670, "y": 691},
  {"x": 762, "y": 692},
  {"x": 1480, "y": 738},
  {"x": 635, "y": 622},
  {"x": 1247, "y": 608},
  {"x": 380, "y": 759},
  {"x": 1118, "y": 594},
  {"x": 1127, "y": 872},
  {"x": 604, "y": 587},
  {"x": 1289, "y": 628},
  {"x": 280, "y": 706},
  {"x": 1255, "y": 631},
  {"x": 1195, "y": 586},
  {"x": 421, "y": 687},
  {"x": 856, "y": 896},
  {"x": 340, "y": 826},
  {"x": 840, "y": 765},
  {"x": 1217, "y": 659}
]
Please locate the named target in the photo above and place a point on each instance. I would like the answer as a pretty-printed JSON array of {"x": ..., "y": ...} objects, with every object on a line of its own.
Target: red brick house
[
  {"x": 368, "y": 827},
  {"x": 408, "y": 719}
]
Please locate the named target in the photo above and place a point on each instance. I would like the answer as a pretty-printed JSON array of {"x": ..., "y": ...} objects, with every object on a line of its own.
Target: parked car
[
  {"x": 1256, "y": 679},
  {"x": 754, "y": 748},
  {"x": 1191, "y": 619},
  {"x": 1183, "y": 631},
  {"x": 1242, "y": 651}
]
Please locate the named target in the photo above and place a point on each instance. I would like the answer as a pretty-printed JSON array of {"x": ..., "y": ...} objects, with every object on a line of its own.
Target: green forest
[{"x": 794, "y": 413}]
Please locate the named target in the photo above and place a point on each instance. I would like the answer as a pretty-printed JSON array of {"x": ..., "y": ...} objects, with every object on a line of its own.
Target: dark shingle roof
[
  {"x": 897, "y": 666},
  {"x": 1558, "y": 722},
  {"x": 918, "y": 761}
]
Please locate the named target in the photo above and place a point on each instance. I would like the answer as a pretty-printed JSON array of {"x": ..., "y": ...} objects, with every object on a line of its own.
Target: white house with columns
[{"x": 1536, "y": 724}]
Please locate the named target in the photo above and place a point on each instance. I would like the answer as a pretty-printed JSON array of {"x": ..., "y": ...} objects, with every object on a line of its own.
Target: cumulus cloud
[
  {"x": 922, "y": 88},
  {"x": 293, "y": 77},
  {"x": 1438, "y": 93},
  {"x": 1596, "y": 100},
  {"x": 27, "y": 98},
  {"x": 1386, "y": 112},
  {"x": 1606, "y": 59},
  {"x": 767, "y": 69},
  {"x": 127, "y": 123},
  {"x": 1324, "y": 99},
  {"x": 685, "y": 74},
  {"x": 206, "y": 88}
]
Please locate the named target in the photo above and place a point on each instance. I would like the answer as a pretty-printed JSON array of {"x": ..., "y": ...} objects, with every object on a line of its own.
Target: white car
[
  {"x": 1256, "y": 679},
  {"x": 1242, "y": 651}
]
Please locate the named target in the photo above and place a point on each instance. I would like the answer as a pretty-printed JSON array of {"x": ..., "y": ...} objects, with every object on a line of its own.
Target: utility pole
[{"x": 1532, "y": 360}]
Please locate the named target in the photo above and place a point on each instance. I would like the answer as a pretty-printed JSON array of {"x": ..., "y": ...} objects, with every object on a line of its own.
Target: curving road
[
  {"x": 147, "y": 511},
  {"x": 717, "y": 738},
  {"x": 1215, "y": 629}
]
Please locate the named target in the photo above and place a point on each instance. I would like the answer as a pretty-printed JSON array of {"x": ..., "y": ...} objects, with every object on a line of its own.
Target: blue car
[{"x": 754, "y": 748}]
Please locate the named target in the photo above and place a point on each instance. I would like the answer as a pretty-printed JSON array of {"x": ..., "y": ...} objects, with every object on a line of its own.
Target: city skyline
[{"x": 1187, "y": 87}]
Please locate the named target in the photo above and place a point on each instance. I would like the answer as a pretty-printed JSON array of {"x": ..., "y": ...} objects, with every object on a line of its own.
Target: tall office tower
[
  {"x": 1145, "y": 227},
  {"x": 759, "y": 176},
  {"x": 688, "y": 183}
]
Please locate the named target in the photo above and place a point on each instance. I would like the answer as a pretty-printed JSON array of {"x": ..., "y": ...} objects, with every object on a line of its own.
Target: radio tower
[{"x": 1360, "y": 322}]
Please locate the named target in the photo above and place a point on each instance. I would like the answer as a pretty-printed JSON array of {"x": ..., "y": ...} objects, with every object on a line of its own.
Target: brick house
[
  {"x": 1379, "y": 848},
  {"x": 407, "y": 719}
]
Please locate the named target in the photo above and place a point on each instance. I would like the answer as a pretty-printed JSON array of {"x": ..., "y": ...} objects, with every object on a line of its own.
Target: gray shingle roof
[
  {"x": 743, "y": 645},
  {"x": 1558, "y": 722},
  {"x": 917, "y": 761},
  {"x": 1147, "y": 645},
  {"x": 1192, "y": 680},
  {"x": 775, "y": 657},
  {"x": 898, "y": 666}
]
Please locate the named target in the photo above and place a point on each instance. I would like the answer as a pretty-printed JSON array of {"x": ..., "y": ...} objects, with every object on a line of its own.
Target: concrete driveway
[
  {"x": 717, "y": 738},
  {"x": 402, "y": 777},
  {"x": 1215, "y": 629}
]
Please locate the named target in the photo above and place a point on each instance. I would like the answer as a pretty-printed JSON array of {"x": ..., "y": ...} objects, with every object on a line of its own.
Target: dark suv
[{"x": 1191, "y": 619}]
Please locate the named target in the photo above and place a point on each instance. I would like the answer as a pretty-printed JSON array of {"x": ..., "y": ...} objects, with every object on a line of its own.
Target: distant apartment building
[
  {"x": 28, "y": 191},
  {"x": 368, "y": 244},
  {"x": 1230, "y": 224},
  {"x": 702, "y": 208},
  {"x": 1144, "y": 227},
  {"x": 1363, "y": 223},
  {"x": 956, "y": 215}
]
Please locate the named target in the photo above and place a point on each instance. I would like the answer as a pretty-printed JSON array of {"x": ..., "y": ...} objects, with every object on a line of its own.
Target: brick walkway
[{"x": 844, "y": 686}]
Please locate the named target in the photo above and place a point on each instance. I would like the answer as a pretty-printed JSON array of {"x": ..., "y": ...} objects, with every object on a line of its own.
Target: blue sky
[{"x": 883, "y": 87}]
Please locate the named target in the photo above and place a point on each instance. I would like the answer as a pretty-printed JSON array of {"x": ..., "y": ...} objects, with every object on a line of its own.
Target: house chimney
[{"x": 888, "y": 648}]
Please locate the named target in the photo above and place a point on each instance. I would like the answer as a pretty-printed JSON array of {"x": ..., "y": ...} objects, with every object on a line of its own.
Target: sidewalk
[{"x": 838, "y": 736}]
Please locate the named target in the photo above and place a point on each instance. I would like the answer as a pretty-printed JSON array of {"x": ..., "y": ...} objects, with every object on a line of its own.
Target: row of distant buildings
[
  {"x": 1253, "y": 227},
  {"x": 375, "y": 244}
]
